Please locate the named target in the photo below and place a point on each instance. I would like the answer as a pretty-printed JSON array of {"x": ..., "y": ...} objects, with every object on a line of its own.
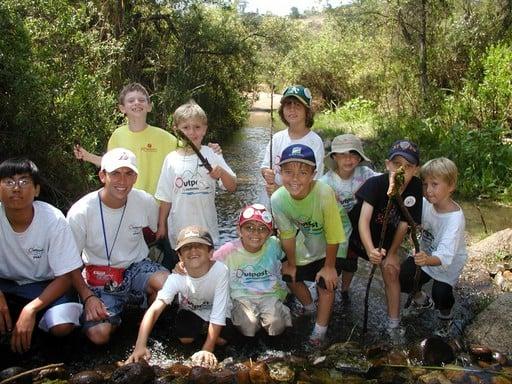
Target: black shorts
[
  {"x": 189, "y": 325},
  {"x": 350, "y": 263},
  {"x": 308, "y": 272}
]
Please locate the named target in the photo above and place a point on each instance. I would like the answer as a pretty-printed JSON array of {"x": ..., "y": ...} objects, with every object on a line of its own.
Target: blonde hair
[
  {"x": 189, "y": 110},
  {"x": 441, "y": 167},
  {"x": 132, "y": 87}
]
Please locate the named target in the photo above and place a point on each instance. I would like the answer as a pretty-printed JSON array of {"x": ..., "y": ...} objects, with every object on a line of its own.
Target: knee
[
  {"x": 99, "y": 336},
  {"x": 62, "y": 330},
  {"x": 156, "y": 282},
  {"x": 390, "y": 274},
  {"x": 186, "y": 340}
]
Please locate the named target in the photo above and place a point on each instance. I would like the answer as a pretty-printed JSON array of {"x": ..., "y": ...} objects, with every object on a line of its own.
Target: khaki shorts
[{"x": 249, "y": 315}]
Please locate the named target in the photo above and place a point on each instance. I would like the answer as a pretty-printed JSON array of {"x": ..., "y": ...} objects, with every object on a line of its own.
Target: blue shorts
[{"x": 131, "y": 291}]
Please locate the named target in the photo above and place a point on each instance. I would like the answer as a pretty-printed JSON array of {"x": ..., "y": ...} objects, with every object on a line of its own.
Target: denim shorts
[{"x": 131, "y": 291}]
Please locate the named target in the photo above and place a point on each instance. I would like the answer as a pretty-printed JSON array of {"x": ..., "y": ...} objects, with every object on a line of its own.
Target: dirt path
[{"x": 262, "y": 102}]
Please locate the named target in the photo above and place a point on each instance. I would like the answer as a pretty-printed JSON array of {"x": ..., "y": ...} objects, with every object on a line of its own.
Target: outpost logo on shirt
[
  {"x": 249, "y": 274},
  {"x": 193, "y": 306},
  {"x": 36, "y": 253},
  {"x": 149, "y": 148}
]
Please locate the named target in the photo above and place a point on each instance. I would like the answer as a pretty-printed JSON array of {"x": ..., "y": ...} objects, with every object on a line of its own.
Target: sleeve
[
  {"x": 223, "y": 252},
  {"x": 449, "y": 241},
  {"x": 170, "y": 288},
  {"x": 219, "y": 160},
  {"x": 78, "y": 224},
  {"x": 287, "y": 229},
  {"x": 113, "y": 141},
  {"x": 319, "y": 154},
  {"x": 152, "y": 209},
  {"x": 164, "y": 187},
  {"x": 63, "y": 252},
  {"x": 369, "y": 190},
  {"x": 220, "y": 299},
  {"x": 334, "y": 232}
]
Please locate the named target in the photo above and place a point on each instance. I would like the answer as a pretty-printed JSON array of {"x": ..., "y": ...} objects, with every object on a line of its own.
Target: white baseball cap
[{"x": 117, "y": 158}]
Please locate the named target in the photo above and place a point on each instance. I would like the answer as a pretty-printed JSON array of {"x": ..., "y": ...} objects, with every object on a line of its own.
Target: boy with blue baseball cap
[{"x": 309, "y": 222}]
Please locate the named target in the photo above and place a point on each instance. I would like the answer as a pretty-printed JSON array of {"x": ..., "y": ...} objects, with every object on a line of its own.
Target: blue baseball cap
[
  {"x": 300, "y": 153},
  {"x": 407, "y": 149}
]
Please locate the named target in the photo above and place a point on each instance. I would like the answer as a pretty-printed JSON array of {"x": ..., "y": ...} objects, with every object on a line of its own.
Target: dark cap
[
  {"x": 298, "y": 152},
  {"x": 407, "y": 149},
  {"x": 194, "y": 234},
  {"x": 300, "y": 92}
]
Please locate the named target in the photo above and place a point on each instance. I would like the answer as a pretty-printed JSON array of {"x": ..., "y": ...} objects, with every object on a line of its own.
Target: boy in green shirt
[{"x": 309, "y": 223}]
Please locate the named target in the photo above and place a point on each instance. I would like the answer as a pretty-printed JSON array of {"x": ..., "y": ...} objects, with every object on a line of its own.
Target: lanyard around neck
[{"x": 109, "y": 253}]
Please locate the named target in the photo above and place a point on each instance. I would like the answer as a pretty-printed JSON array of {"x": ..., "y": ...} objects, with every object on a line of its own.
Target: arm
[
  {"x": 289, "y": 266},
  {"x": 94, "y": 308},
  {"x": 163, "y": 214},
  {"x": 227, "y": 179},
  {"x": 366, "y": 237},
  {"x": 22, "y": 333},
  {"x": 141, "y": 351},
  {"x": 82, "y": 154},
  {"x": 205, "y": 356},
  {"x": 422, "y": 259}
]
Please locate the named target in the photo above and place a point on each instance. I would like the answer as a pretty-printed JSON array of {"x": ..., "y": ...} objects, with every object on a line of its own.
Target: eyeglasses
[
  {"x": 256, "y": 229},
  {"x": 12, "y": 183}
]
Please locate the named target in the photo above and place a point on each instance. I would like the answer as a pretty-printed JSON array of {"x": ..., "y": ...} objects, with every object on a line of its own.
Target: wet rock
[
  {"x": 435, "y": 351},
  {"x": 133, "y": 373},
  {"x": 13, "y": 371},
  {"x": 492, "y": 326},
  {"x": 87, "y": 377},
  {"x": 500, "y": 380},
  {"x": 396, "y": 357},
  {"x": 434, "y": 377},
  {"x": 281, "y": 372},
  {"x": 346, "y": 357},
  {"x": 259, "y": 373},
  {"x": 223, "y": 376},
  {"x": 481, "y": 352},
  {"x": 179, "y": 370},
  {"x": 500, "y": 358},
  {"x": 241, "y": 372},
  {"x": 201, "y": 375}
]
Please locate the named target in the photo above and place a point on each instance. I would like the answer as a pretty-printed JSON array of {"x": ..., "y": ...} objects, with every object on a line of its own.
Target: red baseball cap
[{"x": 256, "y": 212}]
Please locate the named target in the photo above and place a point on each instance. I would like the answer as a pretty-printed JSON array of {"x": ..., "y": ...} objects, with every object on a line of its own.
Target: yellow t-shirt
[{"x": 150, "y": 145}]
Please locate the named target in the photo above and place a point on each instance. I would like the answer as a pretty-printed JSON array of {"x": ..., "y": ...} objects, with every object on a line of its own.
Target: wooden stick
[
  {"x": 15, "y": 377},
  {"x": 204, "y": 161}
]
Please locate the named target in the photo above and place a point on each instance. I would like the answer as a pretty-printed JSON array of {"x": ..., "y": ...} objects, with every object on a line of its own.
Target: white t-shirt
[
  {"x": 443, "y": 236},
  {"x": 185, "y": 183},
  {"x": 345, "y": 190},
  {"x": 84, "y": 217},
  {"x": 207, "y": 296},
  {"x": 45, "y": 250},
  {"x": 281, "y": 140}
]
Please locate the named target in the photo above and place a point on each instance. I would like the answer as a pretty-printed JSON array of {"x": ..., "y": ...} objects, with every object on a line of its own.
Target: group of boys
[{"x": 243, "y": 279}]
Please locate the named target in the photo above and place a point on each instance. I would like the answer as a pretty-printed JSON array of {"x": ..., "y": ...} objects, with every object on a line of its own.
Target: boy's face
[
  {"x": 297, "y": 178},
  {"x": 194, "y": 129},
  {"x": 294, "y": 111},
  {"x": 195, "y": 256},
  {"x": 18, "y": 192},
  {"x": 135, "y": 104},
  {"x": 436, "y": 190},
  {"x": 347, "y": 162},
  {"x": 253, "y": 235},
  {"x": 398, "y": 161},
  {"x": 117, "y": 185}
]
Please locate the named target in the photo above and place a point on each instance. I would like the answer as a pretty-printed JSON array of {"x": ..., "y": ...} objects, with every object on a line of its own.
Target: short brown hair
[
  {"x": 442, "y": 168},
  {"x": 309, "y": 113},
  {"x": 131, "y": 88},
  {"x": 189, "y": 110}
]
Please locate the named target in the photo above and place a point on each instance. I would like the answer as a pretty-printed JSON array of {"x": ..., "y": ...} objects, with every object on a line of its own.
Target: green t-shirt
[{"x": 314, "y": 221}]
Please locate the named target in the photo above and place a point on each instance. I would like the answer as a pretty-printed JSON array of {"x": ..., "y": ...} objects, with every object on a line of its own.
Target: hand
[
  {"x": 269, "y": 175},
  {"x": 204, "y": 359},
  {"x": 161, "y": 232},
  {"x": 421, "y": 259},
  {"x": 216, "y": 148},
  {"x": 80, "y": 152},
  {"x": 5, "y": 316},
  {"x": 95, "y": 309},
  {"x": 330, "y": 277},
  {"x": 22, "y": 333},
  {"x": 180, "y": 269},
  {"x": 138, "y": 354},
  {"x": 375, "y": 256},
  {"x": 291, "y": 271},
  {"x": 216, "y": 172},
  {"x": 271, "y": 188}
]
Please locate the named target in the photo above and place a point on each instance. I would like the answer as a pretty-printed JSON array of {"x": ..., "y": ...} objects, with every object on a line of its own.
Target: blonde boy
[
  {"x": 256, "y": 287},
  {"x": 203, "y": 295},
  {"x": 443, "y": 249},
  {"x": 186, "y": 189},
  {"x": 149, "y": 144}
]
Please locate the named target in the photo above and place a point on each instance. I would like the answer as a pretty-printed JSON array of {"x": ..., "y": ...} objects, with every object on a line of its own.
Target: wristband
[{"x": 88, "y": 297}]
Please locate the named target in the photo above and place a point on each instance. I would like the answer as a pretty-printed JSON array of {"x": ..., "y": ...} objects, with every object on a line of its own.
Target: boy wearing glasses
[
  {"x": 37, "y": 255},
  {"x": 203, "y": 296},
  {"x": 256, "y": 287},
  {"x": 107, "y": 225}
]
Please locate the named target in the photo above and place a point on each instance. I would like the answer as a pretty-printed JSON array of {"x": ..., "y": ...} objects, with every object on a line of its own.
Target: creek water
[{"x": 244, "y": 155}]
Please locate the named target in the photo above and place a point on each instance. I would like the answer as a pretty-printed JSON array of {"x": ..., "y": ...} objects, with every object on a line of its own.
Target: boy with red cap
[{"x": 254, "y": 263}]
